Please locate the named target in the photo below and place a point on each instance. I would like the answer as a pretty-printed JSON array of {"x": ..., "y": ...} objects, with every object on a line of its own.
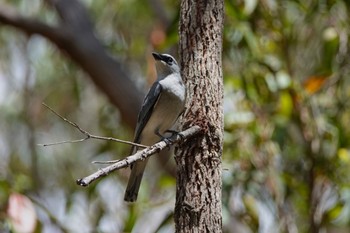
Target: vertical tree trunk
[{"x": 198, "y": 191}]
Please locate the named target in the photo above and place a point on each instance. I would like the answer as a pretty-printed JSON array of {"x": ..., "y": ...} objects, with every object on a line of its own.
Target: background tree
[{"x": 286, "y": 145}]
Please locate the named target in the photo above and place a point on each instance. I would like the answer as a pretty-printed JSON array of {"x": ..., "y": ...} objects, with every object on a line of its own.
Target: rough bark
[{"x": 198, "y": 191}]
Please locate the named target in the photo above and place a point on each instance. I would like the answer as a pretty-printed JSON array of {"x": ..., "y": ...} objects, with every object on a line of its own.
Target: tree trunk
[{"x": 198, "y": 188}]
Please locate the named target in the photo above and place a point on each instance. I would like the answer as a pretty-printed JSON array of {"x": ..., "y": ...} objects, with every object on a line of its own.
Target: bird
[{"x": 160, "y": 110}]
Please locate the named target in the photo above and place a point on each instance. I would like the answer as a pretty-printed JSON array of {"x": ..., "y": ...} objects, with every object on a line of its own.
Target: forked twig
[
  {"x": 87, "y": 134},
  {"x": 118, "y": 164}
]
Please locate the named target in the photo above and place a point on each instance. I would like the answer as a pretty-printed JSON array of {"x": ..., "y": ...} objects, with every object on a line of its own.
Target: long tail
[{"x": 135, "y": 180}]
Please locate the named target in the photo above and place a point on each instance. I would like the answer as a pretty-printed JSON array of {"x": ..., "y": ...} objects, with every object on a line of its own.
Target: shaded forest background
[{"x": 287, "y": 120}]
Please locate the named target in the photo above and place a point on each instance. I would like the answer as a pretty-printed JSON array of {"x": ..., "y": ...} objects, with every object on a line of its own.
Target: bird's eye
[{"x": 170, "y": 60}]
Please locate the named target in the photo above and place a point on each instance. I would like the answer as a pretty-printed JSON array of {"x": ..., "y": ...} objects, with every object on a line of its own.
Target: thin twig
[
  {"x": 106, "y": 162},
  {"x": 140, "y": 155},
  {"x": 63, "y": 142},
  {"x": 87, "y": 134}
]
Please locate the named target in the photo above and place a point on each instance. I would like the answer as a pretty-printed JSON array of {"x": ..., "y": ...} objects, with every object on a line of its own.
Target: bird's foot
[
  {"x": 167, "y": 140},
  {"x": 174, "y": 132}
]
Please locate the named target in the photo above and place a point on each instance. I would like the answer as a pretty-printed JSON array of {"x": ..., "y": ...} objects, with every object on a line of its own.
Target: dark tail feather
[{"x": 134, "y": 181}]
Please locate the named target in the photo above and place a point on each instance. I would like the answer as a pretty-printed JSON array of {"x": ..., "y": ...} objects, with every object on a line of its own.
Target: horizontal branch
[{"x": 140, "y": 155}]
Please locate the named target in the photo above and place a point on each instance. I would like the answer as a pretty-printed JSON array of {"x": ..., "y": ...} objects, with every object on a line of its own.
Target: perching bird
[{"x": 160, "y": 109}]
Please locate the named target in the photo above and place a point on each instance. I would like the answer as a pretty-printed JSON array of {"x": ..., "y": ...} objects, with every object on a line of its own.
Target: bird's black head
[{"x": 167, "y": 61}]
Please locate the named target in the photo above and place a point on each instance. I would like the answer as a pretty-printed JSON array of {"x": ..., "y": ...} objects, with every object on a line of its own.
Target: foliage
[
  {"x": 287, "y": 147},
  {"x": 287, "y": 131}
]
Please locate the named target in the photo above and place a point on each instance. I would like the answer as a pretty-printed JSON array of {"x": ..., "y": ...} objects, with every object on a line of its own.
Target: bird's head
[{"x": 165, "y": 64}]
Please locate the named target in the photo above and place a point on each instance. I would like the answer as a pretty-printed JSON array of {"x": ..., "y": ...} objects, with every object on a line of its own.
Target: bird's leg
[
  {"x": 167, "y": 140},
  {"x": 174, "y": 132}
]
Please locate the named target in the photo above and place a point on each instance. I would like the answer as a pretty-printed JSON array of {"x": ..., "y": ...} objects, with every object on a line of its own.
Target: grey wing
[{"x": 147, "y": 109}]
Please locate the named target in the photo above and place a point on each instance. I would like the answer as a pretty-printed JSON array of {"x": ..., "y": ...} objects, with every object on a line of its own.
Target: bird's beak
[{"x": 157, "y": 56}]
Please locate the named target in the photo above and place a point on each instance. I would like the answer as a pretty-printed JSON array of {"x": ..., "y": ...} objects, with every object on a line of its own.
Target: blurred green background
[{"x": 287, "y": 119}]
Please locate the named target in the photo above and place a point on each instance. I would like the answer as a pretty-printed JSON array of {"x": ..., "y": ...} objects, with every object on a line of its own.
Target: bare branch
[
  {"x": 87, "y": 134},
  {"x": 140, "y": 155}
]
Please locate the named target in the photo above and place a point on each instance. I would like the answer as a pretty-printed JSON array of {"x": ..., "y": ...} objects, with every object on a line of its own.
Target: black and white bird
[{"x": 161, "y": 108}]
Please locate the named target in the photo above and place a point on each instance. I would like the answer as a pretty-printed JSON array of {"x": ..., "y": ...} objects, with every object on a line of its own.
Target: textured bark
[{"x": 198, "y": 191}]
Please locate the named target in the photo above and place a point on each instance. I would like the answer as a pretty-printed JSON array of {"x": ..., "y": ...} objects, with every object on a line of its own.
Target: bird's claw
[
  {"x": 174, "y": 132},
  {"x": 167, "y": 140},
  {"x": 181, "y": 136}
]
